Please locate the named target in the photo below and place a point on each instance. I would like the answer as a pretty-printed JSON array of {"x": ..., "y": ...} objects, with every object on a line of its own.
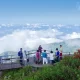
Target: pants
[
  {"x": 37, "y": 60},
  {"x": 21, "y": 60},
  {"x": 45, "y": 60},
  {"x": 58, "y": 59},
  {"x": 52, "y": 61},
  {"x": 60, "y": 56}
]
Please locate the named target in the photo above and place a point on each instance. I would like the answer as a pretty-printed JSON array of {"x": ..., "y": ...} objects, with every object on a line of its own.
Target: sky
[
  {"x": 40, "y": 11},
  {"x": 30, "y": 23}
]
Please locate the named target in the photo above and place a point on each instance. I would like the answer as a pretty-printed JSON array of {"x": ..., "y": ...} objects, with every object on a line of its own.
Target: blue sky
[{"x": 40, "y": 11}]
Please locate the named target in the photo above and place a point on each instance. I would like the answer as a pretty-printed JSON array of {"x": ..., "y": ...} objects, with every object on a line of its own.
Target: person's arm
[
  {"x": 41, "y": 54},
  {"x": 46, "y": 55},
  {"x": 18, "y": 53},
  {"x": 55, "y": 53}
]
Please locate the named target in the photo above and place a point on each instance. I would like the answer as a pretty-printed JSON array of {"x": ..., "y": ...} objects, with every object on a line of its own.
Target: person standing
[
  {"x": 40, "y": 48},
  {"x": 0, "y": 60},
  {"x": 51, "y": 57},
  {"x": 27, "y": 55},
  {"x": 57, "y": 54},
  {"x": 37, "y": 57},
  {"x": 61, "y": 51},
  {"x": 20, "y": 54},
  {"x": 44, "y": 56}
]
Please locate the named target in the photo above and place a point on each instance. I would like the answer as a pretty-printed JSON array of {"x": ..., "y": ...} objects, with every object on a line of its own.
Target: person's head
[
  {"x": 37, "y": 50},
  {"x": 44, "y": 50},
  {"x": 20, "y": 49},
  {"x": 51, "y": 51},
  {"x": 24, "y": 51},
  {"x": 39, "y": 45},
  {"x": 60, "y": 45},
  {"x": 56, "y": 49}
]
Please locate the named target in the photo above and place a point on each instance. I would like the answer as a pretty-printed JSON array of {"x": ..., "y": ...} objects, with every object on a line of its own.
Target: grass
[{"x": 67, "y": 69}]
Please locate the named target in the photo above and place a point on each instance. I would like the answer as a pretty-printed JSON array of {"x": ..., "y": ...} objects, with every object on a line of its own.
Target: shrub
[
  {"x": 70, "y": 61},
  {"x": 55, "y": 73},
  {"x": 66, "y": 69},
  {"x": 17, "y": 74},
  {"x": 77, "y": 54}
]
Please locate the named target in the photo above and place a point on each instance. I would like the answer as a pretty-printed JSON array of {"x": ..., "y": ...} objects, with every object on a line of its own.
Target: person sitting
[{"x": 44, "y": 56}]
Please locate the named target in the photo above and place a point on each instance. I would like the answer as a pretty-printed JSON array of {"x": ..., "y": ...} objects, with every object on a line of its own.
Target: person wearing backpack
[{"x": 20, "y": 54}]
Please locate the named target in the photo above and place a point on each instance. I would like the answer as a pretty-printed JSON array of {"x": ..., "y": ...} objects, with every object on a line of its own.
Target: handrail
[{"x": 12, "y": 57}]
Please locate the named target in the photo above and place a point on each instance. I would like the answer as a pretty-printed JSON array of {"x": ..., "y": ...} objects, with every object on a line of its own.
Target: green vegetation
[{"x": 67, "y": 69}]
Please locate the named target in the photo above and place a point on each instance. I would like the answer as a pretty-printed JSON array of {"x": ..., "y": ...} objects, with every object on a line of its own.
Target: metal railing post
[{"x": 11, "y": 61}]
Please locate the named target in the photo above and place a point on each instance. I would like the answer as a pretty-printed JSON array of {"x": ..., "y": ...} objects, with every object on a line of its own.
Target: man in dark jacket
[
  {"x": 20, "y": 54},
  {"x": 57, "y": 54}
]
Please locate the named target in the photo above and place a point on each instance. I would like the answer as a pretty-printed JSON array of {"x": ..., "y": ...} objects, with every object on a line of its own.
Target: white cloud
[
  {"x": 60, "y": 25},
  {"x": 71, "y": 36},
  {"x": 6, "y": 25},
  {"x": 76, "y": 25},
  {"x": 31, "y": 39},
  {"x": 28, "y": 39}
]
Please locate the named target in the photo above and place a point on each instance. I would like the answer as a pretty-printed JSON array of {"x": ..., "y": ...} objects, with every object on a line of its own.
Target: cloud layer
[{"x": 29, "y": 37}]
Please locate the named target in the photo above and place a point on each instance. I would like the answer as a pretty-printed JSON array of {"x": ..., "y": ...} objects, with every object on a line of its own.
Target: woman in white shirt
[{"x": 51, "y": 56}]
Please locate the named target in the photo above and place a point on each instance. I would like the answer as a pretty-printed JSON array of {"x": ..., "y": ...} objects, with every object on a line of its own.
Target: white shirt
[
  {"x": 51, "y": 56},
  {"x": 61, "y": 50}
]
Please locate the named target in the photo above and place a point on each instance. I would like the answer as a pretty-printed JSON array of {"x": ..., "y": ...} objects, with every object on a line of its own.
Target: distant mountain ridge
[{"x": 68, "y": 46}]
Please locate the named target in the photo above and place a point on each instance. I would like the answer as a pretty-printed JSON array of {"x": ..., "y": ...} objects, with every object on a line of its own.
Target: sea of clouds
[{"x": 29, "y": 36}]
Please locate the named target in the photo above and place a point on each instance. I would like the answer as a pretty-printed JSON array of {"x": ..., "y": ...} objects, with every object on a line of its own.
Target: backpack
[{"x": 19, "y": 53}]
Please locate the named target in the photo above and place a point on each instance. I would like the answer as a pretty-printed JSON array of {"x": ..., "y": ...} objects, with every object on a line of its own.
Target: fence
[{"x": 12, "y": 61}]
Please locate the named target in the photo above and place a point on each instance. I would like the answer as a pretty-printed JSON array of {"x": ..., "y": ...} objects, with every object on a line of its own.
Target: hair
[
  {"x": 56, "y": 48},
  {"x": 24, "y": 50},
  {"x": 39, "y": 45},
  {"x": 51, "y": 51},
  {"x": 37, "y": 50},
  {"x": 20, "y": 48},
  {"x": 60, "y": 45},
  {"x": 44, "y": 50}
]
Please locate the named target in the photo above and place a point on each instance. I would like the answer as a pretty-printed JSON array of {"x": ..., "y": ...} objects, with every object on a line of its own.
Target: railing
[
  {"x": 8, "y": 58},
  {"x": 11, "y": 59},
  {"x": 48, "y": 51}
]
